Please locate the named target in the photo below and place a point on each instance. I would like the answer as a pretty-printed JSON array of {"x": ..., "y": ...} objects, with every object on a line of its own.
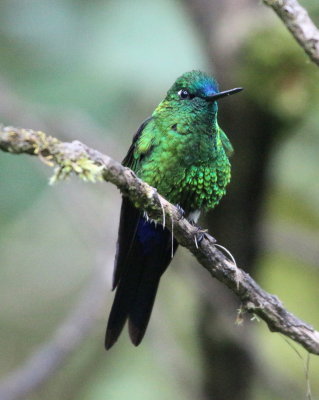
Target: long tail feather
[
  {"x": 155, "y": 265},
  {"x": 149, "y": 254}
]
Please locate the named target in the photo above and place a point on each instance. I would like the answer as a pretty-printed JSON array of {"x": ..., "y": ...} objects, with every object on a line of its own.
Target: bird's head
[{"x": 197, "y": 90}]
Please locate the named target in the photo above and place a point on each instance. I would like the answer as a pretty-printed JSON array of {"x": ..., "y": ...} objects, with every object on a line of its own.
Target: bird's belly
[{"x": 195, "y": 187}]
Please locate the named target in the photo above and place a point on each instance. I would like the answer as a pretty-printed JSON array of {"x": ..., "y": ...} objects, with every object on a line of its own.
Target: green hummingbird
[{"x": 181, "y": 151}]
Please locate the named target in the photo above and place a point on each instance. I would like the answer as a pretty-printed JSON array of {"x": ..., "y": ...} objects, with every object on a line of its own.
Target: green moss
[{"x": 86, "y": 169}]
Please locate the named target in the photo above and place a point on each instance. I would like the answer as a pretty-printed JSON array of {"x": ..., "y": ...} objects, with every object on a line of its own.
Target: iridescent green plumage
[
  {"x": 181, "y": 151},
  {"x": 184, "y": 152},
  {"x": 190, "y": 170}
]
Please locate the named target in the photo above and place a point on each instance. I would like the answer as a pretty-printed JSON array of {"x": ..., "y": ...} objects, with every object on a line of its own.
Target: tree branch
[
  {"x": 299, "y": 23},
  {"x": 76, "y": 158}
]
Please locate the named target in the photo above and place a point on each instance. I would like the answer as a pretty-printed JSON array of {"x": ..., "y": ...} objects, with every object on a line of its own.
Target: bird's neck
[{"x": 186, "y": 119}]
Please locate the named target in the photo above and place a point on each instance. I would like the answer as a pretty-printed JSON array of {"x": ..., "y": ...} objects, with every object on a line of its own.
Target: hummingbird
[{"x": 182, "y": 152}]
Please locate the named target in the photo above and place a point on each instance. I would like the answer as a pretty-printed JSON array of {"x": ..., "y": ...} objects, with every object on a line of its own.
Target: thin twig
[
  {"x": 297, "y": 20},
  {"x": 78, "y": 159}
]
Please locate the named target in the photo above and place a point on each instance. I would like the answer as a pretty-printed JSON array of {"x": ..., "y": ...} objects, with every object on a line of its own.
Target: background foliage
[{"x": 93, "y": 71}]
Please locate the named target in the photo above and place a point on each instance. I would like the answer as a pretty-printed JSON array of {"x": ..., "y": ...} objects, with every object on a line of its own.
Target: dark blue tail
[{"x": 144, "y": 251}]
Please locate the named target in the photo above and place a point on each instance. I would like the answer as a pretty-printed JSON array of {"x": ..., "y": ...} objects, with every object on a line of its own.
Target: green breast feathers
[{"x": 191, "y": 170}]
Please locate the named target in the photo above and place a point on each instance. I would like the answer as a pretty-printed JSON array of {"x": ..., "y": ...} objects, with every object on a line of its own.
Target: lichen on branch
[{"x": 66, "y": 158}]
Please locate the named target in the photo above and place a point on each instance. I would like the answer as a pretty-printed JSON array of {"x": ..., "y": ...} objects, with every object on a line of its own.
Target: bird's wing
[
  {"x": 144, "y": 251},
  {"x": 132, "y": 158},
  {"x": 130, "y": 215}
]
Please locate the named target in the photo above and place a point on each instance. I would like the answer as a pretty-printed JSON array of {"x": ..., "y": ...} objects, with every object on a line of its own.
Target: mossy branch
[
  {"x": 89, "y": 164},
  {"x": 298, "y": 22}
]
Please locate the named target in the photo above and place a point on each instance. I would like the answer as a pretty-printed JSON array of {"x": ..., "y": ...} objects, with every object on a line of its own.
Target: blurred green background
[{"x": 93, "y": 71}]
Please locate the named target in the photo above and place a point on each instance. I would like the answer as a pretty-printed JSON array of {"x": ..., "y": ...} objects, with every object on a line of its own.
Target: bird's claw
[
  {"x": 181, "y": 211},
  {"x": 200, "y": 234}
]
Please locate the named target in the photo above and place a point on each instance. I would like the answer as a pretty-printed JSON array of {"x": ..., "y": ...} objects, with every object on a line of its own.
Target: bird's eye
[{"x": 184, "y": 94}]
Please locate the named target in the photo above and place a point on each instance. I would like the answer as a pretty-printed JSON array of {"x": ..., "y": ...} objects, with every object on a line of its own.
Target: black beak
[{"x": 220, "y": 95}]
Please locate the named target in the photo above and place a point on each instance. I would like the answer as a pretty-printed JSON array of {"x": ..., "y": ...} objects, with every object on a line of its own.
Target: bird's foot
[
  {"x": 181, "y": 211},
  {"x": 200, "y": 234}
]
